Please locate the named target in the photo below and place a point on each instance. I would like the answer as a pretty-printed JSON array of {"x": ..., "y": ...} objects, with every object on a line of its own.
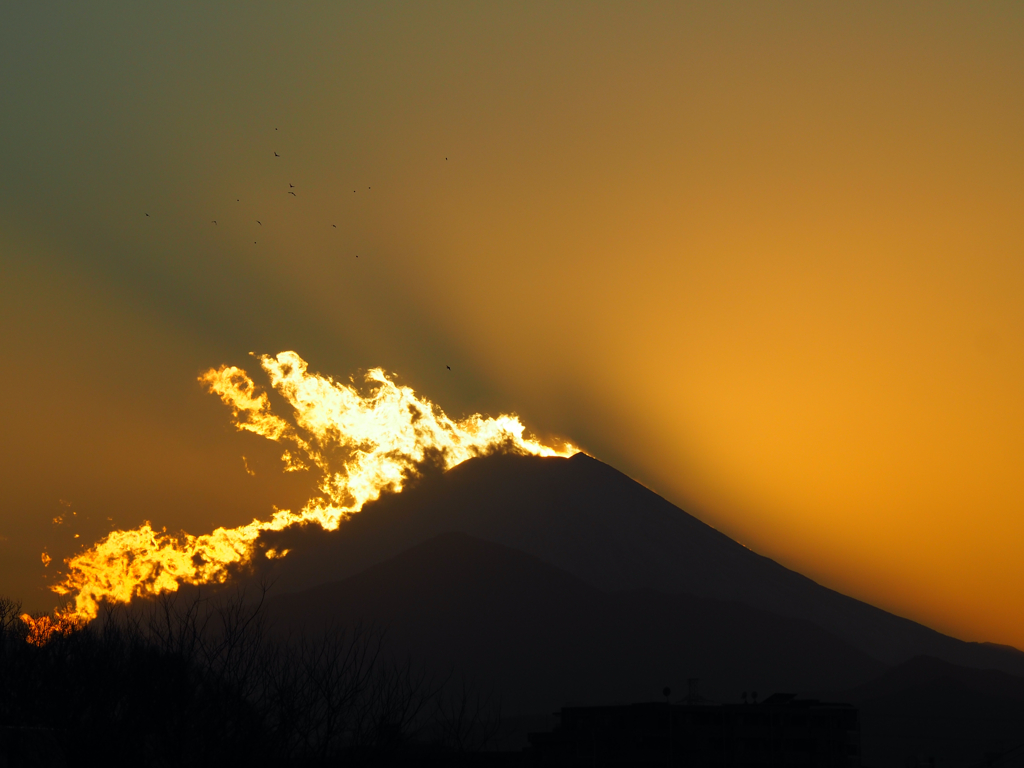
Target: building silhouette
[{"x": 782, "y": 730}]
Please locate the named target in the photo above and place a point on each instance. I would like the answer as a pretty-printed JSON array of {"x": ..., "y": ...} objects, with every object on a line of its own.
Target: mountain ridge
[{"x": 597, "y": 524}]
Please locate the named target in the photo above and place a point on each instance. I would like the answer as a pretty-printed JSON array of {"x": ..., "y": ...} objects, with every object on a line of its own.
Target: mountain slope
[
  {"x": 930, "y": 707},
  {"x": 542, "y": 637},
  {"x": 604, "y": 528}
]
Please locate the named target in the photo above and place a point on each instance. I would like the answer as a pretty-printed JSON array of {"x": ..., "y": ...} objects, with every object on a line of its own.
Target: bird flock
[{"x": 290, "y": 191}]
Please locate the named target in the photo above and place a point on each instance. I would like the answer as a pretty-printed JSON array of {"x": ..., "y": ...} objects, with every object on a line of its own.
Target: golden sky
[{"x": 768, "y": 259}]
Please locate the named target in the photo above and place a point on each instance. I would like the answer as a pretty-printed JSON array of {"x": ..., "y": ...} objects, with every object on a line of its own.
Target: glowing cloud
[{"x": 363, "y": 442}]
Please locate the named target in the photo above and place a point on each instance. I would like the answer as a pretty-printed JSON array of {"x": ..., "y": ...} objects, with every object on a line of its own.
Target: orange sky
[{"x": 766, "y": 259}]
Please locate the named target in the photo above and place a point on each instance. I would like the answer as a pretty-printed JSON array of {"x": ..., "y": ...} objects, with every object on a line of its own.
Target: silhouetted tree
[
  {"x": 467, "y": 720},
  {"x": 189, "y": 680}
]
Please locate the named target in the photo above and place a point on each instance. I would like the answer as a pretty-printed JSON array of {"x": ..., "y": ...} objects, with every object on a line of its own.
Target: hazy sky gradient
[{"x": 768, "y": 259}]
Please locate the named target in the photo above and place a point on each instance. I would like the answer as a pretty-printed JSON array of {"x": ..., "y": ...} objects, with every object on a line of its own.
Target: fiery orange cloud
[{"x": 363, "y": 442}]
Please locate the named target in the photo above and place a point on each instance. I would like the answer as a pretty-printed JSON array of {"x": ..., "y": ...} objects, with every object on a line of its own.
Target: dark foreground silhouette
[
  {"x": 780, "y": 731},
  {"x": 539, "y": 583},
  {"x": 185, "y": 681}
]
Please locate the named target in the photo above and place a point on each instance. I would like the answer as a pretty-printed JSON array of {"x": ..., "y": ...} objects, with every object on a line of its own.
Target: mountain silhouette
[
  {"x": 610, "y": 532},
  {"x": 541, "y": 637}
]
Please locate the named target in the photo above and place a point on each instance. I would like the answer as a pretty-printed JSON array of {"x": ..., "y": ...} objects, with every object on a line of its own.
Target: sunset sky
[{"x": 765, "y": 258}]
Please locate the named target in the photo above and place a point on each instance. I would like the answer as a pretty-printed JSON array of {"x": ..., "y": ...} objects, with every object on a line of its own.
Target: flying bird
[
  {"x": 215, "y": 222},
  {"x": 292, "y": 193},
  {"x": 277, "y": 155},
  {"x": 147, "y": 214},
  {"x": 448, "y": 366},
  {"x": 291, "y": 185},
  {"x": 334, "y": 225},
  {"x": 259, "y": 222}
]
